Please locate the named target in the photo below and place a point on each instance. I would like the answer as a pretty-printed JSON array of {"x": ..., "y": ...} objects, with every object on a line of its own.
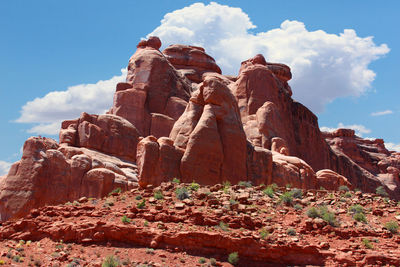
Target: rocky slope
[
  {"x": 178, "y": 224},
  {"x": 177, "y": 116}
]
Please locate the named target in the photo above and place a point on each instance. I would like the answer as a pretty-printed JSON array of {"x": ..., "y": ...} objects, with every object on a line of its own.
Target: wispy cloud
[
  {"x": 381, "y": 113},
  {"x": 392, "y": 146}
]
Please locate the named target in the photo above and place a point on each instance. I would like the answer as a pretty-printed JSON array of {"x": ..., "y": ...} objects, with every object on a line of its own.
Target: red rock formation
[{"x": 331, "y": 180}]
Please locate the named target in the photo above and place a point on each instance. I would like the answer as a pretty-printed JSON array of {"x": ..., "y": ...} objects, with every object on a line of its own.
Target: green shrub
[
  {"x": 150, "y": 251},
  {"x": 176, "y": 181},
  {"x": 381, "y": 191},
  {"x": 348, "y": 194},
  {"x": 367, "y": 243},
  {"x": 344, "y": 188},
  {"x": 313, "y": 212},
  {"x": 125, "y": 219},
  {"x": 392, "y": 226},
  {"x": 223, "y": 226},
  {"x": 115, "y": 191},
  {"x": 141, "y": 204},
  {"x": 110, "y": 261},
  {"x": 286, "y": 198},
  {"x": 233, "y": 258},
  {"x": 298, "y": 207},
  {"x": 158, "y": 195},
  {"x": 182, "y": 193},
  {"x": 213, "y": 262},
  {"x": 264, "y": 233},
  {"x": 194, "y": 186},
  {"x": 138, "y": 197},
  {"x": 296, "y": 193},
  {"x": 202, "y": 260},
  {"x": 291, "y": 231},
  {"x": 288, "y": 186},
  {"x": 269, "y": 191},
  {"x": 356, "y": 209},
  {"x": 360, "y": 217},
  {"x": 245, "y": 183}
]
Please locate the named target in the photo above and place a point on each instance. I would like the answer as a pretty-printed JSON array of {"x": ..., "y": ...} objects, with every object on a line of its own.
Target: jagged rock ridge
[{"x": 178, "y": 116}]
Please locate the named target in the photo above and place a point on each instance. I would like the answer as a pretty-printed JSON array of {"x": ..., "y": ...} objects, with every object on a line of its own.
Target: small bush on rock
[
  {"x": 233, "y": 258},
  {"x": 182, "y": 193},
  {"x": 158, "y": 195},
  {"x": 344, "y": 188},
  {"x": 269, "y": 191},
  {"x": 297, "y": 193},
  {"x": 110, "y": 261},
  {"x": 381, "y": 191},
  {"x": 392, "y": 226},
  {"x": 286, "y": 198}
]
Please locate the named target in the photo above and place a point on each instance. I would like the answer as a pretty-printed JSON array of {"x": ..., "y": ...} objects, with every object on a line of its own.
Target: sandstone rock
[{"x": 331, "y": 180}]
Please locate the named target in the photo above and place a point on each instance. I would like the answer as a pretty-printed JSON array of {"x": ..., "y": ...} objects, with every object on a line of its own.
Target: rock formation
[{"x": 178, "y": 116}]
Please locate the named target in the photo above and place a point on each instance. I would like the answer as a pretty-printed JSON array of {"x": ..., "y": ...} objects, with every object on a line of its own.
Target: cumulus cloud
[
  {"x": 49, "y": 111},
  {"x": 4, "y": 167},
  {"x": 392, "y": 146},
  {"x": 381, "y": 113},
  {"x": 359, "y": 129},
  {"x": 324, "y": 66}
]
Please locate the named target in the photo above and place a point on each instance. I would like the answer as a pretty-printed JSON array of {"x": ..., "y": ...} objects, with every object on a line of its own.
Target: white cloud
[
  {"x": 47, "y": 112},
  {"x": 324, "y": 66},
  {"x": 359, "y": 129},
  {"x": 4, "y": 167},
  {"x": 381, "y": 113},
  {"x": 392, "y": 146}
]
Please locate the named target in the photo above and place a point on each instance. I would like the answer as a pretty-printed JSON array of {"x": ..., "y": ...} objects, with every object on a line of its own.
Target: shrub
[
  {"x": 202, "y": 260},
  {"x": 223, "y": 226},
  {"x": 158, "y": 195},
  {"x": 356, "y": 209},
  {"x": 367, "y": 243},
  {"x": 381, "y": 191},
  {"x": 233, "y": 258},
  {"x": 264, "y": 233},
  {"x": 269, "y": 191},
  {"x": 348, "y": 195},
  {"x": 142, "y": 204},
  {"x": 245, "y": 183},
  {"x": 176, "y": 181},
  {"x": 125, "y": 219},
  {"x": 297, "y": 193},
  {"x": 115, "y": 191},
  {"x": 313, "y": 213},
  {"x": 288, "y": 186},
  {"x": 145, "y": 223},
  {"x": 110, "y": 261},
  {"x": 150, "y": 251},
  {"x": 291, "y": 231},
  {"x": 298, "y": 207},
  {"x": 392, "y": 226},
  {"x": 194, "y": 186},
  {"x": 138, "y": 197},
  {"x": 286, "y": 198},
  {"x": 182, "y": 193},
  {"x": 344, "y": 188},
  {"x": 322, "y": 188},
  {"x": 213, "y": 262},
  {"x": 360, "y": 217}
]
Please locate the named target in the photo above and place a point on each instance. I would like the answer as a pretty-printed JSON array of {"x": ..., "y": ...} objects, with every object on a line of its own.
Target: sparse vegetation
[
  {"x": 182, "y": 193},
  {"x": 150, "y": 251},
  {"x": 286, "y": 198},
  {"x": 296, "y": 193},
  {"x": 138, "y": 197},
  {"x": 291, "y": 231},
  {"x": 115, "y": 191},
  {"x": 245, "y": 183},
  {"x": 344, "y": 188},
  {"x": 367, "y": 243},
  {"x": 202, "y": 260},
  {"x": 269, "y": 191},
  {"x": 392, "y": 226},
  {"x": 381, "y": 191},
  {"x": 264, "y": 233},
  {"x": 158, "y": 195},
  {"x": 194, "y": 186},
  {"x": 226, "y": 186},
  {"x": 223, "y": 226},
  {"x": 348, "y": 195},
  {"x": 141, "y": 204},
  {"x": 298, "y": 207},
  {"x": 233, "y": 258},
  {"x": 323, "y": 213},
  {"x": 125, "y": 219},
  {"x": 213, "y": 262},
  {"x": 110, "y": 261},
  {"x": 360, "y": 217},
  {"x": 176, "y": 181}
]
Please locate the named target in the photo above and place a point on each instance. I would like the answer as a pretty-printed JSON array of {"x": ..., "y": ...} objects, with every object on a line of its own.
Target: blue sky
[{"x": 48, "y": 46}]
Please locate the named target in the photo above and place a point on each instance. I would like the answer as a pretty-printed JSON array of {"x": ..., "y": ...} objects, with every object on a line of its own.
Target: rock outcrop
[{"x": 178, "y": 116}]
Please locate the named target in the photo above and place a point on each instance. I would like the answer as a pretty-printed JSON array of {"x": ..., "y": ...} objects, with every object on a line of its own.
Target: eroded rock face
[{"x": 50, "y": 174}]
